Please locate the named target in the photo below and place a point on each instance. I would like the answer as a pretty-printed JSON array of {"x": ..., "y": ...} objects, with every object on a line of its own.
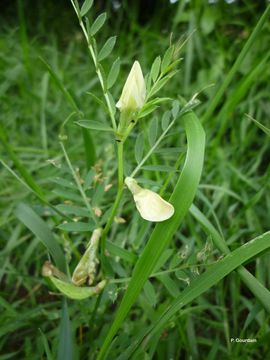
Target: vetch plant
[
  {"x": 137, "y": 101},
  {"x": 141, "y": 256}
]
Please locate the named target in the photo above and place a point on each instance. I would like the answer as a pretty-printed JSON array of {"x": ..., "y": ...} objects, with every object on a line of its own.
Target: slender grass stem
[
  {"x": 93, "y": 316},
  {"x": 171, "y": 174},
  {"x": 30, "y": 189},
  {"x": 19, "y": 166},
  {"x": 169, "y": 271},
  {"x": 153, "y": 148},
  {"x": 77, "y": 180},
  {"x": 43, "y": 125}
]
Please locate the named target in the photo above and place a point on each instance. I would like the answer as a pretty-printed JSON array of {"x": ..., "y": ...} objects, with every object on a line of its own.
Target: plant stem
[
  {"x": 77, "y": 180},
  {"x": 171, "y": 174},
  {"x": 95, "y": 61},
  {"x": 119, "y": 145},
  {"x": 153, "y": 148},
  {"x": 102, "y": 83}
]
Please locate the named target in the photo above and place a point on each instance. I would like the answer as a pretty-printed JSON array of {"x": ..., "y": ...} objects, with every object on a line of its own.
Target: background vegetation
[{"x": 233, "y": 193}]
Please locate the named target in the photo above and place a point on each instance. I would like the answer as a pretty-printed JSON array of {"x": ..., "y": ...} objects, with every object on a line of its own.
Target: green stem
[
  {"x": 153, "y": 148},
  {"x": 120, "y": 148},
  {"x": 95, "y": 61},
  {"x": 102, "y": 83},
  {"x": 171, "y": 174},
  {"x": 78, "y": 183}
]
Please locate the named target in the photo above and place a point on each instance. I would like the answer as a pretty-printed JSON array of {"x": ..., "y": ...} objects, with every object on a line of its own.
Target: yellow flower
[
  {"x": 134, "y": 91},
  {"x": 150, "y": 205}
]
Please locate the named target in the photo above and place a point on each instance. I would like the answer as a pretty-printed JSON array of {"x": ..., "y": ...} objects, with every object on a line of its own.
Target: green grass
[{"x": 182, "y": 288}]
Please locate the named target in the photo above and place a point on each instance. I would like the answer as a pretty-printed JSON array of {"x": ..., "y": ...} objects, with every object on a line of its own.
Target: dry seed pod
[
  {"x": 150, "y": 205},
  {"x": 48, "y": 269},
  {"x": 86, "y": 267},
  {"x": 77, "y": 293}
]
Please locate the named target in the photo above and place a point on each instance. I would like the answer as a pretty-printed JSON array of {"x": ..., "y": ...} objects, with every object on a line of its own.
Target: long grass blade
[
  {"x": 261, "y": 126},
  {"x": 254, "y": 285},
  {"x": 65, "y": 349},
  {"x": 60, "y": 85},
  {"x": 38, "y": 227},
  {"x": 19, "y": 166},
  {"x": 162, "y": 234},
  {"x": 212, "y": 276},
  {"x": 237, "y": 95},
  {"x": 46, "y": 346},
  {"x": 203, "y": 283},
  {"x": 89, "y": 146},
  {"x": 251, "y": 40}
]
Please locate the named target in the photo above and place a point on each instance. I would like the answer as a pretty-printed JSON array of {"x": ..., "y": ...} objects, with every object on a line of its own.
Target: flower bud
[
  {"x": 134, "y": 91},
  {"x": 150, "y": 205}
]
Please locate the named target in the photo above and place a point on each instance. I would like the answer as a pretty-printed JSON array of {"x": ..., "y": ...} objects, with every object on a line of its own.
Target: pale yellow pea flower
[
  {"x": 134, "y": 91},
  {"x": 150, "y": 205}
]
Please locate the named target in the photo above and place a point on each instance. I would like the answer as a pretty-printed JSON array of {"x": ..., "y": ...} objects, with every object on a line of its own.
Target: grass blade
[
  {"x": 212, "y": 276},
  {"x": 251, "y": 40},
  {"x": 237, "y": 95},
  {"x": 201, "y": 284},
  {"x": 261, "y": 126},
  {"x": 19, "y": 166},
  {"x": 89, "y": 147},
  {"x": 46, "y": 346},
  {"x": 65, "y": 349},
  {"x": 61, "y": 86},
  {"x": 24, "y": 37},
  {"x": 254, "y": 285},
  {"x": 38, "y": 227},
  {"x": 181, "y": 198}
]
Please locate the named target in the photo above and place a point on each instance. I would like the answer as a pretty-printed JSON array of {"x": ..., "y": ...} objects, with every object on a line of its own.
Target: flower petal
[
  {"x": 134, "y": 91},
  {"x": 150, "y": 205}
]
